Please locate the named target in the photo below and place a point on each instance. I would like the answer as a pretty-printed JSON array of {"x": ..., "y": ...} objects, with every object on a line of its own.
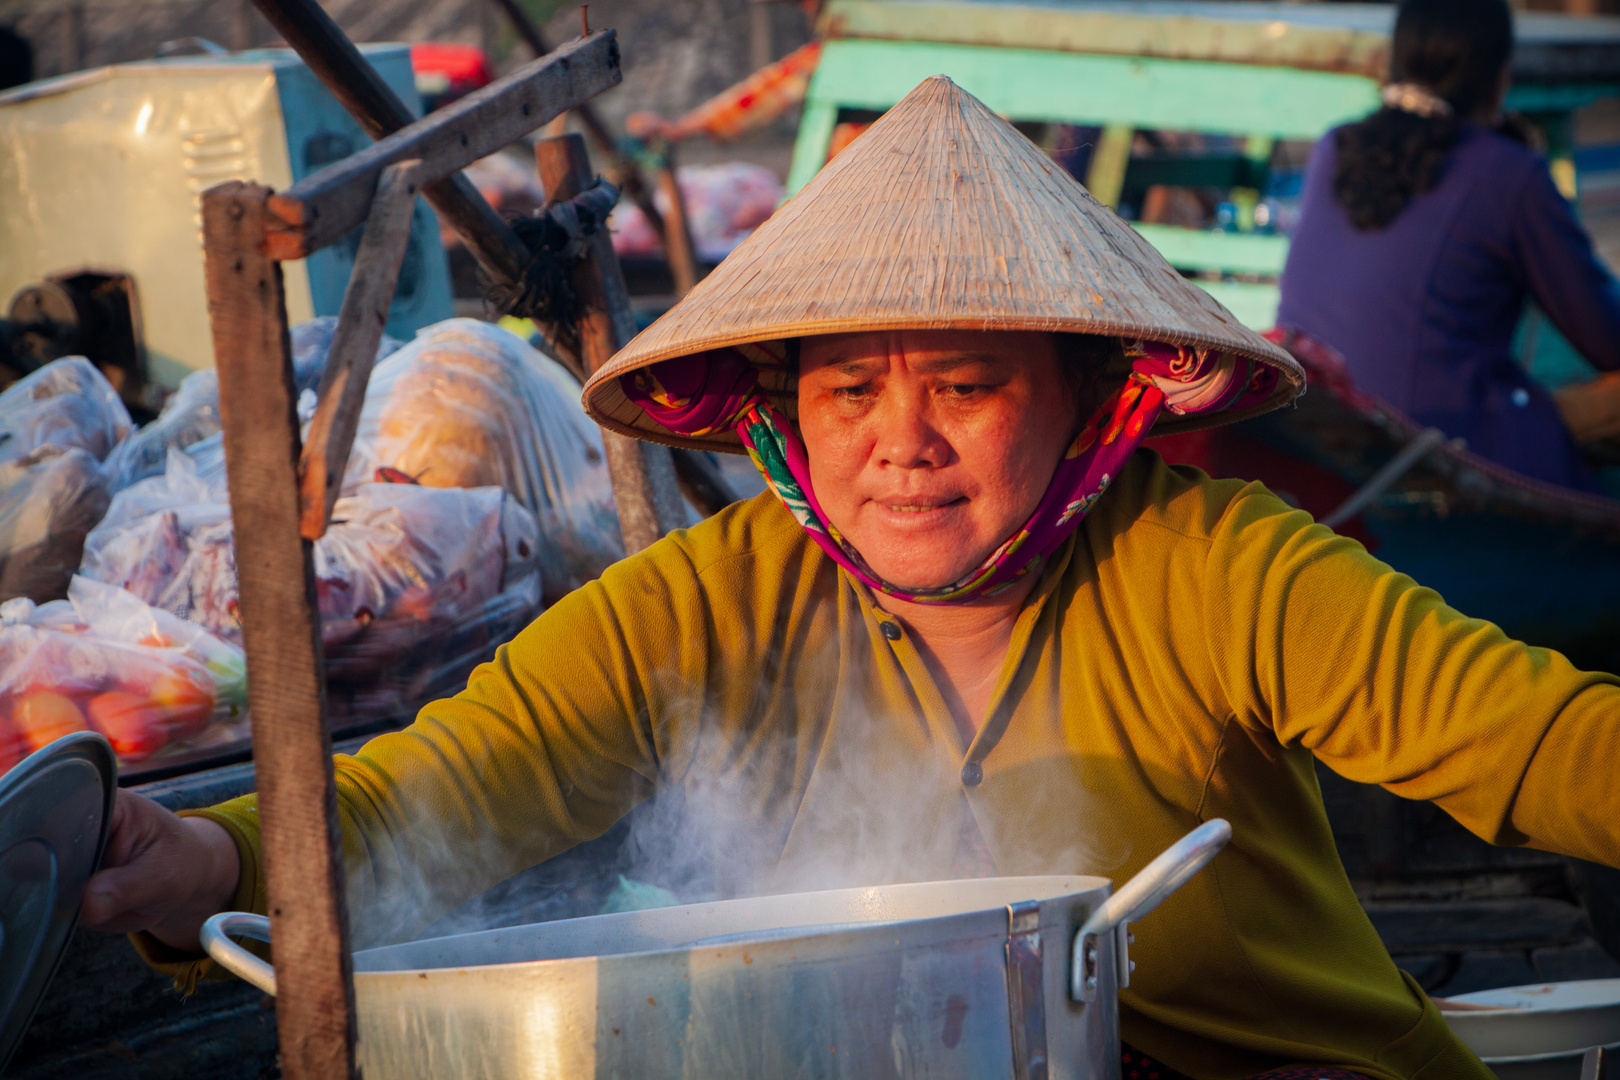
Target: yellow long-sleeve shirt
[{"x": 1182, "y": 658}]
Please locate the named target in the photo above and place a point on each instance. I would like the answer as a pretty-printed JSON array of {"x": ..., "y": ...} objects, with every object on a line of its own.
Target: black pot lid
[{"x": 55, "y": 807}]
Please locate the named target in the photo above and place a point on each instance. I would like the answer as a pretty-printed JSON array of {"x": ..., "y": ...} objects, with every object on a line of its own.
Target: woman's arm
[
  {"x": 1332, "y": 650},
  {"x": 1562, "y": 272},
  {"x": 550, "y": 744}
]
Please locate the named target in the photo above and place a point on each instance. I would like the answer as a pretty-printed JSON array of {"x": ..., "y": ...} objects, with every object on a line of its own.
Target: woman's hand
[{"x": 161, "y": 873}]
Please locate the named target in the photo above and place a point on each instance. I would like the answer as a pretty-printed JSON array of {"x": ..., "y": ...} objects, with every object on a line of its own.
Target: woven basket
[{"x": 941, "y": 215}]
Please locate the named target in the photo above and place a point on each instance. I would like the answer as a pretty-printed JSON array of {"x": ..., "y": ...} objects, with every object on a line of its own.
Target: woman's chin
[
  {"x": 925, "y": 551},
  {"x": 919, "y": 571}
]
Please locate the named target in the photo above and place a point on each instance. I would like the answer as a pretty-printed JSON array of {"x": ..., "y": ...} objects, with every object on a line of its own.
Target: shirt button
[
  {"x": 889, "y": 630},
  {"x": 972, "y": 774},
  {"x": 1521, "y": 396}
]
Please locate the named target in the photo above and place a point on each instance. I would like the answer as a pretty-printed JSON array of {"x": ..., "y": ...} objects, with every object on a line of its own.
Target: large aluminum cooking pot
[{"x": 994, "y": 977}]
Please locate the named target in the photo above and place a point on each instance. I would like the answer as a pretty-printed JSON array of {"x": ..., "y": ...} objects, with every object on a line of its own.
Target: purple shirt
[{"x": 1424, "y": 310}]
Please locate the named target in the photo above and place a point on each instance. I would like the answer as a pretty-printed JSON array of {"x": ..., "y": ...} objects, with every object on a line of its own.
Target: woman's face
[{"x": 929, "y": 447}]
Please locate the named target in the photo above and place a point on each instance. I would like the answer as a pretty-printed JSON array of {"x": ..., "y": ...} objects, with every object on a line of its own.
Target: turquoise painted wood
[
  {"x": 1089, "y": 88},
  {"x": 1230, "y": 253},
  {"x": 1086, "y": 88}
]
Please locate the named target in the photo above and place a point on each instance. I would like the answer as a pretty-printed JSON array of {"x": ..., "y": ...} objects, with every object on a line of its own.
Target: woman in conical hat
[{"x": 971, "y": 629}]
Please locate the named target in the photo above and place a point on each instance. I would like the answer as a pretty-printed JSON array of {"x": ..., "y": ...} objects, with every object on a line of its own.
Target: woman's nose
[{"x": 907, "y": 438}]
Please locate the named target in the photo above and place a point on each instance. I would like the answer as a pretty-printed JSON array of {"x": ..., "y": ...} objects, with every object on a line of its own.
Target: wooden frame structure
[{"x": 282, "y": 491}]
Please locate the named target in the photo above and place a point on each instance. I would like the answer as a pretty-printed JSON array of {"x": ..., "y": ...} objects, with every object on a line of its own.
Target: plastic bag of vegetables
[{"x": 103, "y": 660}]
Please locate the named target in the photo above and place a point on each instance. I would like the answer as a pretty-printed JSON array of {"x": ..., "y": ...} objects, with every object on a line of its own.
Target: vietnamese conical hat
[{"x": 941, "y": 215}]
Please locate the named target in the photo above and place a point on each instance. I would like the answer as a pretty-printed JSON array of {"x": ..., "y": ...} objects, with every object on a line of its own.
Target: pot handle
[
  {"x": 1140, "y": 895},
  {"x": 231, "y": 956}
]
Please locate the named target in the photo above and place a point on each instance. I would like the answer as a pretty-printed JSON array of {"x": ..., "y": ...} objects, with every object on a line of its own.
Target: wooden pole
[
  {"x": 678, "y": 249},
  {"x": 354, "y": 346},
  {"x": 645, "y": 488},
  {"x": 292, "y": 750},
  {"x": 621, "y": 167}
]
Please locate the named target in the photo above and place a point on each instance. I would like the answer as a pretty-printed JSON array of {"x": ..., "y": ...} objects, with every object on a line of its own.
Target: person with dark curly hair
[{"x": 1425, "y": 227}]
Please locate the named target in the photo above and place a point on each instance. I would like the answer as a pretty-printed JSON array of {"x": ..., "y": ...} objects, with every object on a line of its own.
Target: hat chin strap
[{"x": 706, "y": 393}]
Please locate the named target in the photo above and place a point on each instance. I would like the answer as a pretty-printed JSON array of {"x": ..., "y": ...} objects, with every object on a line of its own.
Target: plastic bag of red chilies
[
  {"x": 103, "y": 660},
  {"x": 416, "y": 585}
]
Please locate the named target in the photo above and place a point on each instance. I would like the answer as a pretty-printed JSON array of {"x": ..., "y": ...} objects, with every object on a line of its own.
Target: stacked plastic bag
[
  {"x": 415, "y": 585},
  {"x": 477, "y": 486},
  {"x": 477, "y": 492},
  {"x": 467, "y": 404},
  {"x": 56, "y": 426},
  {"x": 192, "y": 412}
]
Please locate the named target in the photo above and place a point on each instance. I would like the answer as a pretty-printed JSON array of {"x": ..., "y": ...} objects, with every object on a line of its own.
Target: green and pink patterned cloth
[{"x": 712, "y": 391}]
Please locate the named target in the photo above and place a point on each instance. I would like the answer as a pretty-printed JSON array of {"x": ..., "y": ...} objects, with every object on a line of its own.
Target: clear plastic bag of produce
[
  {"x": 160, "y": 689},
  {"x": 467, "y": 404},
  {"x": 416, "y": 585},
  {"x": 192, "y": 412},
  {"x": 50, "y": 499},
  {"x": 66, "y": 403}
]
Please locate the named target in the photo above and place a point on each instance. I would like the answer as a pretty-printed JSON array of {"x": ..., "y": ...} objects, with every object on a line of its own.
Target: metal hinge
[{"x": 1026, "y": 990}]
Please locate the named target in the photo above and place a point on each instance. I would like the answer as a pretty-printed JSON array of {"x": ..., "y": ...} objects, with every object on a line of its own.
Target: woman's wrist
[
  {"x": 219, "y": 871},
  {"x": 224, "y": 874}
]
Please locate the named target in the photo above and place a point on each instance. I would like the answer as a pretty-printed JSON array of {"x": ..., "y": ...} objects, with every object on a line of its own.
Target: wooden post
[
  {"x": 678, "y": 247},
  {"x": 644, "y": 483},
  {"x": 1109, "y": 160},
  {"x": 292, "y": 749},
  {"x": 621, "y": 167},
  {"x": 354, "y": 345}
]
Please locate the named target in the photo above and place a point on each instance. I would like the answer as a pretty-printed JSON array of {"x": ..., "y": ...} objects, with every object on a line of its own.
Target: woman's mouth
[{"x": 920, "y": 507}]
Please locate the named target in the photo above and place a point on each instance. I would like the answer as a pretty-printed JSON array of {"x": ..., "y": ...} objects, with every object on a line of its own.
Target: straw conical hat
[{"x": 941, "y": 215}]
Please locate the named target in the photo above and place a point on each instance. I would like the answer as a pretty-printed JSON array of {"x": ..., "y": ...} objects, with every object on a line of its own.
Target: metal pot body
[{"x": 964, "y": 979}]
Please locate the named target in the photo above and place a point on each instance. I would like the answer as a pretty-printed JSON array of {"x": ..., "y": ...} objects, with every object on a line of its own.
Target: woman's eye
[
  {"x": 963, "y": 389},
  {"x": 851, "y": 393}
]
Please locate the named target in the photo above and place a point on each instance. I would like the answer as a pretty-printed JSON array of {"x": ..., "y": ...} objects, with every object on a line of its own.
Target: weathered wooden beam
[
  {"x": 305, "y": 26},
  {"x": 292, "y": 750},
  {"x": 354, "y": 346},
  {"x": 322, "y": 207},
  {"x": 645, "y": 487}
]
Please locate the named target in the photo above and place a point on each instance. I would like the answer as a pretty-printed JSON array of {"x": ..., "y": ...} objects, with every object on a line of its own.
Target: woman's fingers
[
  {"x": 125, "y": 899},
  {"x": 160, "y": 873}
]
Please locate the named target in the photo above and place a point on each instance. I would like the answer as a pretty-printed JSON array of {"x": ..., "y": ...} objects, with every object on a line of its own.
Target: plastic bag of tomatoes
[{"x": 103, "y": 660}]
